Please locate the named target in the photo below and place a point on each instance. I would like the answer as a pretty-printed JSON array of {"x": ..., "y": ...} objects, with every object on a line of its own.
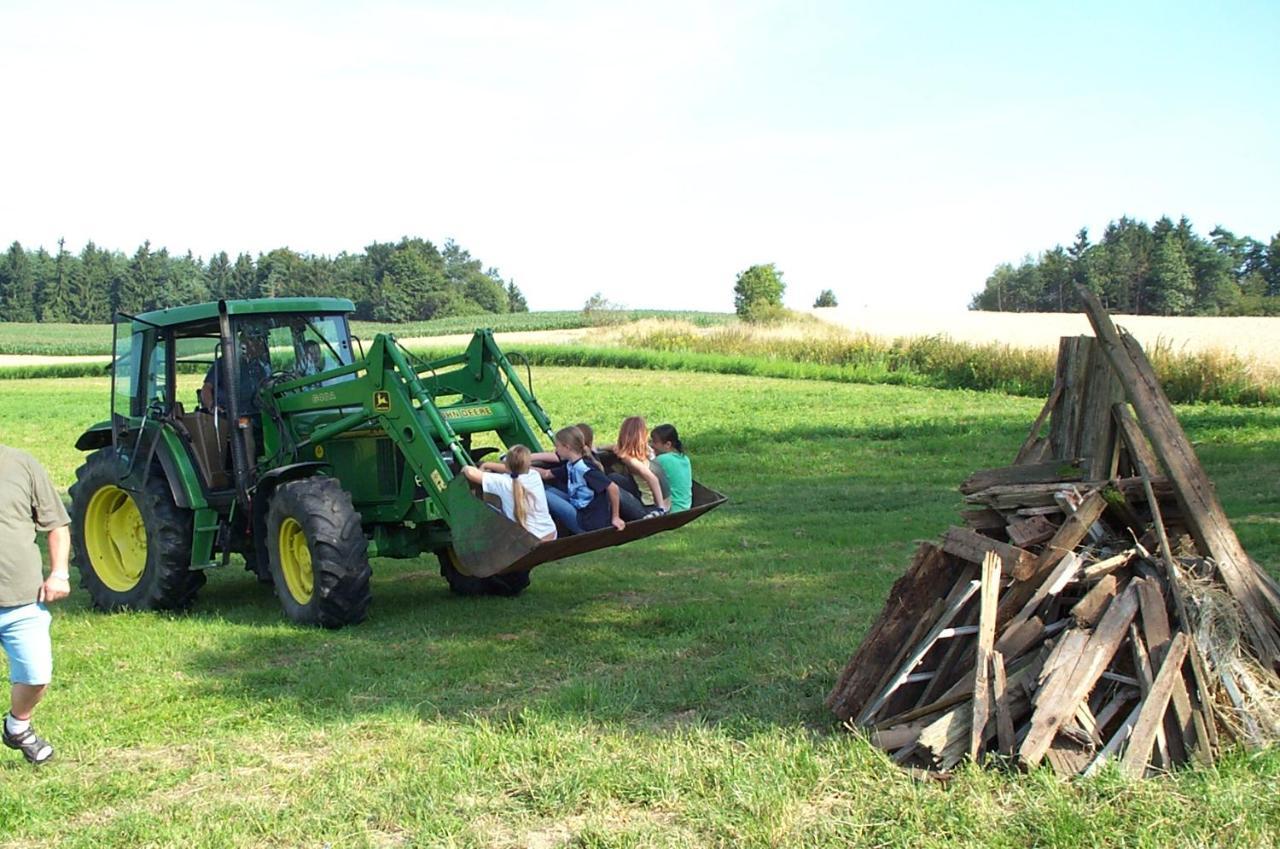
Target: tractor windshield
[{"x": 300, "y": 345}]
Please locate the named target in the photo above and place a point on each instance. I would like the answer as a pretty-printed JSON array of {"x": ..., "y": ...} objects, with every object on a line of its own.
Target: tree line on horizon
[
  {"x": 409, "y": 280},
  {"x": 1163, "y": 269}
]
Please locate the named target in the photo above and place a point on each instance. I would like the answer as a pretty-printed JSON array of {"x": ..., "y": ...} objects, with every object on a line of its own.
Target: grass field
[{"x": 665, "y": 694}]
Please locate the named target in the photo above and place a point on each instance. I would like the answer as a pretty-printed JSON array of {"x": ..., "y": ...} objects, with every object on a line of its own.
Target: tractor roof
[{"x": 254, "y": 306}]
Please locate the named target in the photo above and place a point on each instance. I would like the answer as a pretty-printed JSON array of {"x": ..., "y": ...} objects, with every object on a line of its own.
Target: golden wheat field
[{"x": 1247, "y": 337}]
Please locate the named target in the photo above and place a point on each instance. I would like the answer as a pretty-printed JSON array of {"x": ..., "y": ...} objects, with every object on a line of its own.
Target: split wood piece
[
  {"x": 1098, "y": 440},
  {"x": 986, "y": 641},
  {"x": 1257, "y": 593},
  {"x": 1117, "y": 740},
  {"x": 1055, "y": 471},
  {"x": 1030, "y": 531},
  {"x": 1059, "y": 700},
  {"x": 984, "y": 519},
  {"x": 1155, "y": 627},
  {"x": 1206, "y": 726},
  {"x": 1072, "y": 375},
  {"x": 1088, "y": 610},
  {"x": 973, "y": 547},
  {"x": 947, "y": 737},
  {"x": 1034, "y": 443},
  {"x": 960, "y": 598},
  {"x": 1053, "y": 584},
  {"x": 1073, "y": 530},
  {"x": 1138, "y": 753},
  {"x": 944, "y": 671},
  {"x": 1000, "y": 692},
  {"x": 1165, "y": 746},
  {"x": 909, "y": 600},
  {"x": 1139, "y": 449},
  {"x": 1021, "y": 496},
  {"x": 1106, "y": 566}
]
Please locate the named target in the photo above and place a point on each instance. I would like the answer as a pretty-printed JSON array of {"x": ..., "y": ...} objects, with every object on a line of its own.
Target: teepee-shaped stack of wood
[{"x": 1096, "y": 606}]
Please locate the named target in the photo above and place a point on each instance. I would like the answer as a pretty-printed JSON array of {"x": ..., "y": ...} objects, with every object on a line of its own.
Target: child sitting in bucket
[
  {"x": 581, "y": 498},
  {"x": 669, "y": 455},
  {"x": 633, "y": 451},
  {"x": 520, "y": 490}
]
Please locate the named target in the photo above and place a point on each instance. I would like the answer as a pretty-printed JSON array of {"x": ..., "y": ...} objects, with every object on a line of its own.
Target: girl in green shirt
[{"x": 669, "y": 454}]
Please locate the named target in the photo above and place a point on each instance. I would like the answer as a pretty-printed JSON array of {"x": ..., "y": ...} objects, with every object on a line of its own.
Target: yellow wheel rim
[
  {"x": 116, "y": 538},
  {"x": 295, "y": 560}
]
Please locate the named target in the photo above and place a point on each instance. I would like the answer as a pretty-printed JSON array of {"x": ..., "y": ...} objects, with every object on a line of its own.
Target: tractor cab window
[{"x": 302, "y": 346}]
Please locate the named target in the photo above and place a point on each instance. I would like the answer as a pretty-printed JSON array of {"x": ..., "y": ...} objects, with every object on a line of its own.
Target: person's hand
[
  {"x": 618, "y": 523},
  {"x": 54, "y": 588},
  {"x": 545, "y": 474}
]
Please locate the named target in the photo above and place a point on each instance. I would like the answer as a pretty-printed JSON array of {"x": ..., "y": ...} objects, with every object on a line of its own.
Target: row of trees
[
  {"x": 407, "y": 280},
  {"x": 1164, "y": 269}
]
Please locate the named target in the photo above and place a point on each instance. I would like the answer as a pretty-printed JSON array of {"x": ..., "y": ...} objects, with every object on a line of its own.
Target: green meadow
[{"x": 667, "y": 693}]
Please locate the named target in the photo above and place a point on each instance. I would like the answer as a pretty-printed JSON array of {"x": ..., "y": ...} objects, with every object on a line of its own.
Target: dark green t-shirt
[{"x": 28, "y": 504}]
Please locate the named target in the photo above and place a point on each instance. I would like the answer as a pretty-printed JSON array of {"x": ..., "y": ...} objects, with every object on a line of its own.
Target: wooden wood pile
[{"x": 1095, "y": 605}]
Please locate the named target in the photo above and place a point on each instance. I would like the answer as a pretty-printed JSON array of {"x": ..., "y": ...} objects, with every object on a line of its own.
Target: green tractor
[{"x": 306, "y": 459}]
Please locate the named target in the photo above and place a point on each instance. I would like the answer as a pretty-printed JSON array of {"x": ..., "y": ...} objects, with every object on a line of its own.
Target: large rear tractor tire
[
  {"x": 511, "y": 584},
  {"x": 133, "y": 549},
  {"x": 318, "y": 553}
]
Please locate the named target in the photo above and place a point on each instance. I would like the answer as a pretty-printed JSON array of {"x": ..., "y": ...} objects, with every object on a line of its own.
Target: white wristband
[{"x": 59, "y": 576}]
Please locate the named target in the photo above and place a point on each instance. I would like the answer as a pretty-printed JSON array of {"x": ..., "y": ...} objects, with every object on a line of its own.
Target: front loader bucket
[{"x": 492, "y": 544}]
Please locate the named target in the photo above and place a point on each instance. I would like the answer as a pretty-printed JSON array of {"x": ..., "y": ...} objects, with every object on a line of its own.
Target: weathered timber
[
  {"x": 1000, "y": 692},
  {"x": 1106, "y": 566},
  {"x": 1031, "y": 530},
  {"x": 1155, "y": 628},
  {"x": 1034, "y": 444},
  {"x": 1088, "y": 610},
  {"x": 1145, "y": 673},
  {"x": 1021, "y": 601},
  {"x": 1138, "y": 753},
  {"x": 911, "y": 596},
  {"x": 1073, "y": 530},
  {"x": 986, "y": 641},
  {"x": 984, "y": 519},
  {"x": 1080, "y": 677},
  {"x": 1072, "y": 375},
  {"x": 947, "y": 737},
  {"x": 1257, "y": 593},
  {"x": 1055, "y": 471},
  {"x": 973, "y": 547},
  {"x": 1098, "y": 439},
  {"x": 962, "y": 595},
  {"x": 1135, "y": 442}
]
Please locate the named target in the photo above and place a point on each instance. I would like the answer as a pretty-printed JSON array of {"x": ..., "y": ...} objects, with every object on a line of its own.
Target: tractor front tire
[
  {"x": 133, "y": 549},
  {"x": 511, "y": 584},
  {"x": 318, "y": 554}
]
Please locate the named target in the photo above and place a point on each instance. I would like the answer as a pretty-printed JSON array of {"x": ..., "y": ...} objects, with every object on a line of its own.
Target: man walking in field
[{"x": 29, "y": 504}]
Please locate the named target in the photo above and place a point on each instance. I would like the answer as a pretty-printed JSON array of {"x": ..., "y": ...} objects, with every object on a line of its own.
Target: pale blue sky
[{"x": 649, "y": 152}]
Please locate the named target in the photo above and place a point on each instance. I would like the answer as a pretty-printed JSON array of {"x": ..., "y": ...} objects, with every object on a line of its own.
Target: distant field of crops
[{"x": 64, "y": 340}]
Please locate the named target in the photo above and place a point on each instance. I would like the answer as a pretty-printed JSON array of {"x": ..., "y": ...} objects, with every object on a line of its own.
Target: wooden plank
[
  {"x": 1257, "y": 594},
  {"x": 1138, "y": 753},
  {"x": 1000, "y": 692},
  {"x": 1101, "y": 647},
  {"x": 1031, "y": 530},
  {"x": 1088, "y": 610},
  {"x": 984, "y": 519},
  {"x": 918, "y": 653},
  {"x": 1053, "y": 471},
  {"x": 986, "y": 641},
  {"x": 1034, "y": 442},
  {"x": 973, "y": 547},
  {"x": 1139, "y": 449},
  {"x": 1073, "y": 530},
  {"x": 1098, "y": 440},
  {"x": 1155, "y": 628},
  {"x": 1146, "y": 677},
  {"x": 910, "y": 598},
  {"x": 1106, "y": 566},
  {"x": 1064, "y": 425},
  {"x": 1032, "y": 599}
]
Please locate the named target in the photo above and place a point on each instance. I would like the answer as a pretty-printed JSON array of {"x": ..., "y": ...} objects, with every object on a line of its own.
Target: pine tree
[
  {"x": 91, "y": 287},
  {"x": 219, "y": 276},
  {"x": 244, "y": 277},
  {"x": 1172, "y": 287},
  {"x": 20, "y": 287},
  {"x": 137, "y": 288},
  {"x": 54, "y": 288},
  {"x": 515, "y": 298}
]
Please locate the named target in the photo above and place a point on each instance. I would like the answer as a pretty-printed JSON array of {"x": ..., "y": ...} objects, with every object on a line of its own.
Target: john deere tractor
[{"x": 306, "y": 459}]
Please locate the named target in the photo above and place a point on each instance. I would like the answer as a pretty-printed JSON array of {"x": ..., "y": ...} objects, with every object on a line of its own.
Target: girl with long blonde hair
[{"x": 519, "y": 487}]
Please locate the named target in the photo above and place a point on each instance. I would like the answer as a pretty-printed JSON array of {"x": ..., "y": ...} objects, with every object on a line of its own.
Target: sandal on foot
[{"x": 33, "y": 748}]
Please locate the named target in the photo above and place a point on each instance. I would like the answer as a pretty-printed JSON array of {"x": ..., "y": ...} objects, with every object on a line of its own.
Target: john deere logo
[{"x": 381, "y": 401}]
